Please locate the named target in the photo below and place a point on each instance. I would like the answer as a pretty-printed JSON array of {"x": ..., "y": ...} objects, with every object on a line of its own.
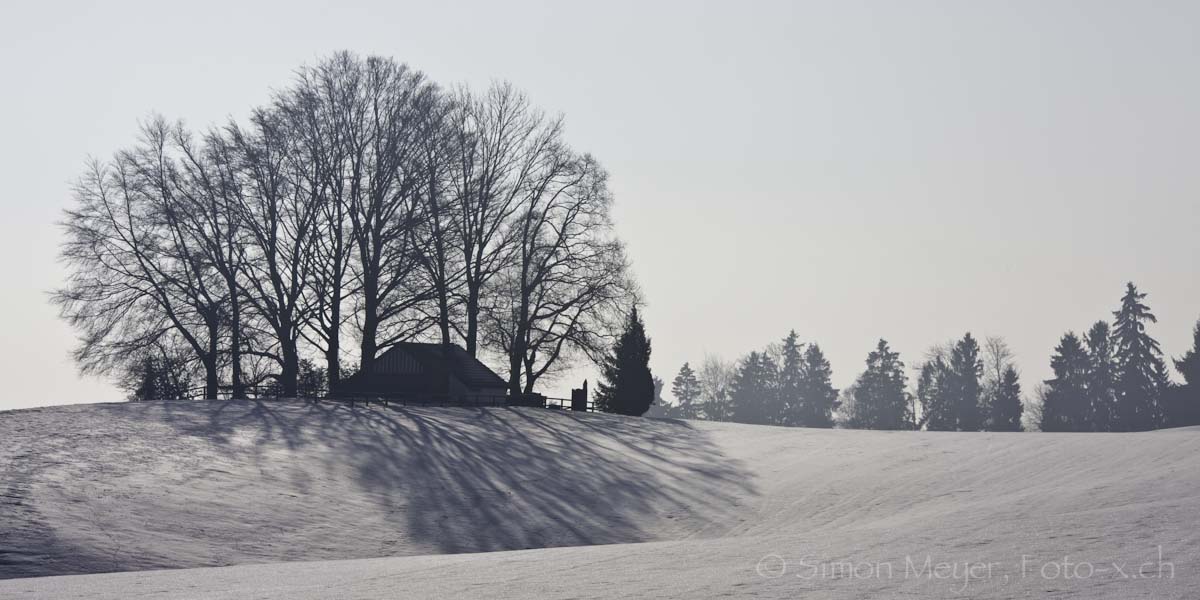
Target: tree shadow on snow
[{"x": 488, "y": 479}]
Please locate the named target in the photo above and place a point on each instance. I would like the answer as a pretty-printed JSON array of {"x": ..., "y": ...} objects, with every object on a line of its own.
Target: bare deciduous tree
[
  {"x": 502, "y": 145},
  {"x": 140, "y": 278},
  {"x": 279, "y": 216},
  {"x": 566, "y": 288},
  {"x": 362, "y": 201}
]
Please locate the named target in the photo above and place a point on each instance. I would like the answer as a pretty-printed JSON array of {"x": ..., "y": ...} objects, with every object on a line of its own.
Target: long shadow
[{"x": 464, "y": 480}]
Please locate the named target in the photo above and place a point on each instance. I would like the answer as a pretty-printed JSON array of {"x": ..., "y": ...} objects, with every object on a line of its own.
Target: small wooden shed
[{"x": 426, "y": 371}]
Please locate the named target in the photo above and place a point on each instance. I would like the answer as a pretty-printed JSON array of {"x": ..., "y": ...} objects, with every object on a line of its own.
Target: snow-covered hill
[{"x": 686, "y": 509}]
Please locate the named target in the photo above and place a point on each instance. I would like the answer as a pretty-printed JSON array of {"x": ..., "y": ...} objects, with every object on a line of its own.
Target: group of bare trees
[{"x": 364, "y": 206}]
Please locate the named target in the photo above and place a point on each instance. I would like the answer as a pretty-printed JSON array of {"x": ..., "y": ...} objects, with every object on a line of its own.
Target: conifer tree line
[
  {"x": 788, "y": 383},
  {"x": 363, "y": 206},
  {"x": 1114, "y": 378}
]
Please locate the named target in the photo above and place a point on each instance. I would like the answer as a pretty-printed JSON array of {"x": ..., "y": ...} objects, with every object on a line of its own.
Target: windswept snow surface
[{"x": 518, "y": 503}]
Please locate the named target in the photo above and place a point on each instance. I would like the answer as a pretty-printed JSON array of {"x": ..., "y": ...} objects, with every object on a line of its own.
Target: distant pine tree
[
  {"x": 879, "y": 398},
  {"x": 790, "y": 379},
  {"x": 1101, "y": 398},
  {"x": 1141, "y": 372},
  {"x": 627, "y": 386},
  {"x": 818, "y": 398},
  {"x": 1065, "y": 406},
  {"x": 935, "y": 397},
  {"x": 966, "y": 368},
  {"x": 687, "y": 391},
  {"x": 754, "y": 392},
  {"x": 1183, "y": 407},
  {"x": 1189, "y": 364},
  {"x": 1006, "y": 405}
]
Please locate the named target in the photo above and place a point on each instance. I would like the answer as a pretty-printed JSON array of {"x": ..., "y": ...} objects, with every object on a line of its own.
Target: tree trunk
[
  {"x": 235, "y": 343},
  {"x": 370, "y": 328},
  {"x": 516, "y": 357},
  {"x": 212, "y": 381},
  {"x": 514, "y": 371},
  {"x": 333, "y": 368},
  {"x": 444, "y": 315},
  {"x": 473, "y": 319},
  {"x": 291, "y": 369}
]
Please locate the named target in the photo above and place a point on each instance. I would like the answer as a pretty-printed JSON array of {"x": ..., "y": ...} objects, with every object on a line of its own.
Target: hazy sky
[{"x": 911, "y": 170}]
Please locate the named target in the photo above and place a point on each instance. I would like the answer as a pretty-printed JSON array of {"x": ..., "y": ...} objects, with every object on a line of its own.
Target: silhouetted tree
[
  {"x": 1184, "y": 402},
  {"x": 1065, "y": 404},
  {"x": 323, "y": 110},
  {"x": 818, "y": 398},
  {"x": 687, "y": 392},
  {"x": 562, "y": 291},
  {"x": 205, "y": 184},
  {"x": 362, "y": 201},
  {"x": 1140, "y": 370},
  {"x": 934, "y": 394},
  {"x": 279, "y": 216},
  {"x": 1101, "y": 399},
  {"x": 506, "y": 155},
  {"x": 139, "y": 278},
  {"x": 963, "y": 383},
  {"x": 789, "y": 380},
  {"x": 312, "y": 381},
  {"x": 158, "y": 376},
  {"x": 755, "y": 394},
  {"x": 879, "y": 399},
  {"x": 1006, "y": 406},
  {"x": 627, "y": 387}
]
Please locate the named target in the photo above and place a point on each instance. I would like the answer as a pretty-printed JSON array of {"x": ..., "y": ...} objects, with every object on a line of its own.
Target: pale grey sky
[{"x": 911, "y": 170}]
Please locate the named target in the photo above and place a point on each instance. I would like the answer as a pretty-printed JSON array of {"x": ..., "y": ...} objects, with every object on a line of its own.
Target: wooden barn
[{"x": 426, "y": 372}]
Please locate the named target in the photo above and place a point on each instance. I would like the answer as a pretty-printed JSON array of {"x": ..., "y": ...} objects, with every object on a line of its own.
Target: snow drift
[{"x": 685, "y": 509}]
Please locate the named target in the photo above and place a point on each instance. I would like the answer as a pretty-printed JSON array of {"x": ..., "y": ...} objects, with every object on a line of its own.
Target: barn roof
[{"x": 434, "y": 357}]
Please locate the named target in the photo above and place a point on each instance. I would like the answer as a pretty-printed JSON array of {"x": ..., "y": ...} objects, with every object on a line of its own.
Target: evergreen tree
[
  {"x": 879, "y": 398},
  {"x": 627, "y": 386},
  {"x": 1065, "y": 406},
  {"x": 1101, "y": 399},
  {"x": 1006, "y": 405},
  {"x": 965, "y": 370},
  {"x": 790, "y": 379},
  {"x": 311, "y": 380},
  {"x": 754, "y": 393},
  {"x": 1189, "y": 364},
  {"x": 1140, "y": 369},
  {"x": 157, "y": 378},
  {"x": 1184, "y": 405},
  {"x": 818, "y": 398},
  {"x": 935, "y": 397},
  {"x": 686, "y": 389}
]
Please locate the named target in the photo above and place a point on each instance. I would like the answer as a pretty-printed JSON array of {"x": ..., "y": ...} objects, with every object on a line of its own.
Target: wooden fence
[{"x": 578, "y": 402}]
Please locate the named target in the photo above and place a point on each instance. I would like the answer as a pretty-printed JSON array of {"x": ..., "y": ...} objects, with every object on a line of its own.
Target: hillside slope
[
  {"x": 727, "y": 508},
  {"x": 121, "y": 487}
]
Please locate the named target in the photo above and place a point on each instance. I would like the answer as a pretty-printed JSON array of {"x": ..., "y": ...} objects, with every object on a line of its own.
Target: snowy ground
[{"x": 684, "y": 509}]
